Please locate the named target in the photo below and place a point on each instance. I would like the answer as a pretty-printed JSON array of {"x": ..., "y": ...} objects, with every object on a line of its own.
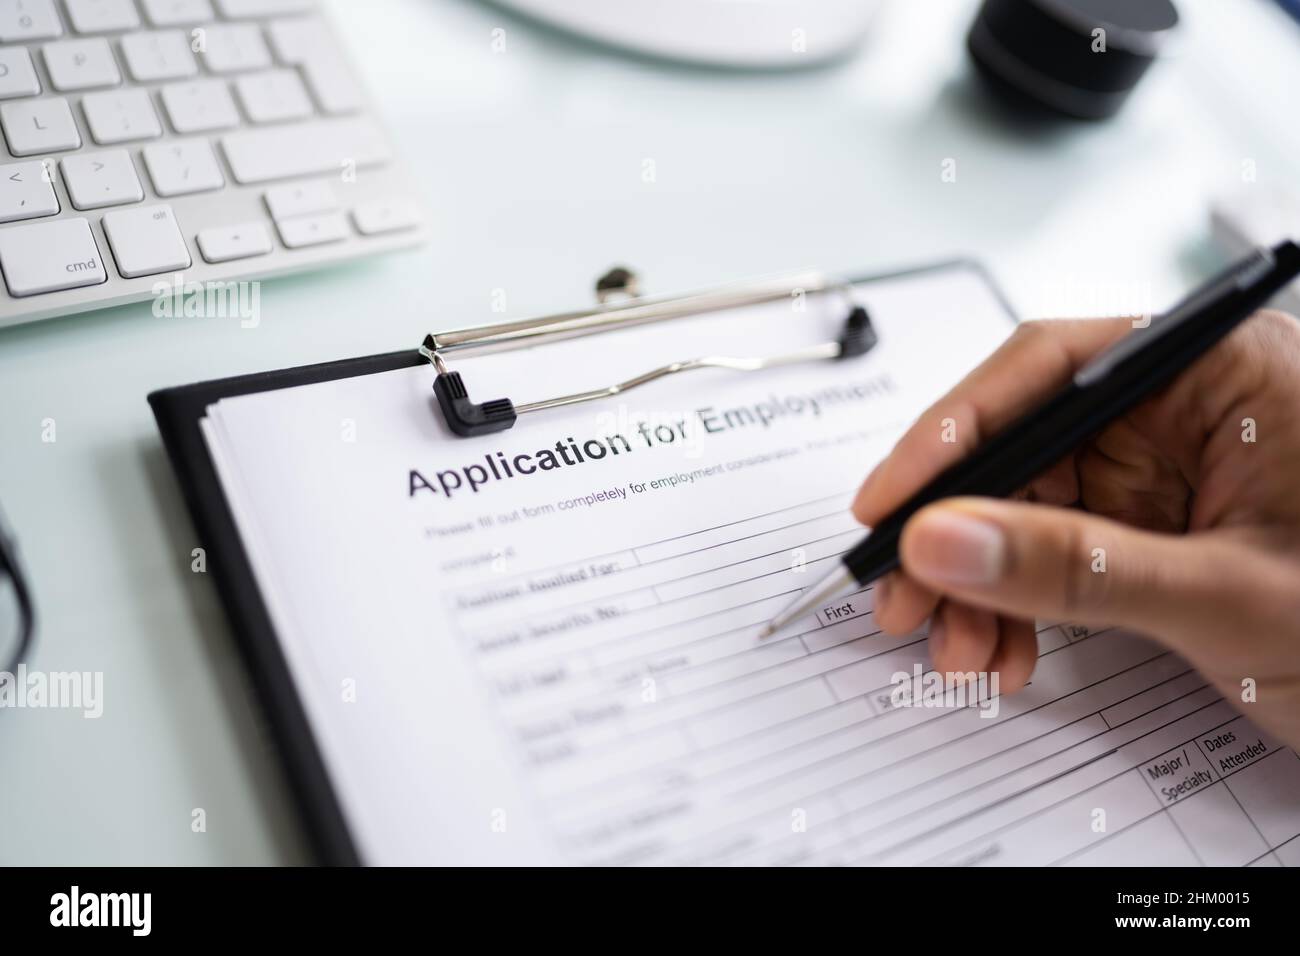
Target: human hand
[{"x": 1193, "y": 499}]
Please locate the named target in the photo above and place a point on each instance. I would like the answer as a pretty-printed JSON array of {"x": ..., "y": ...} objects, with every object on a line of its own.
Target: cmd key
[{"x": 49, "y": 256}]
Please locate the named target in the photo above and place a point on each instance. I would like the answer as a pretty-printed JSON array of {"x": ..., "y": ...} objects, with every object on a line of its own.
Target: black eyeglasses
[{"x": 17, "y": 620}]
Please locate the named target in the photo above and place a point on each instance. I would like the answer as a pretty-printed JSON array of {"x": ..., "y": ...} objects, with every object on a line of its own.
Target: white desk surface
[{"x": 532, "y": 161}]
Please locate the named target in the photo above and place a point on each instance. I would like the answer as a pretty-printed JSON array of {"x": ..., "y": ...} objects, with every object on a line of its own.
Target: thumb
[{"x": 1030, "y": 560}]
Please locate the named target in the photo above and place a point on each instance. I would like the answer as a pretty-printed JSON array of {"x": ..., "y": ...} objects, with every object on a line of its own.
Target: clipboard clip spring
[{"x": 467, "y": 418}]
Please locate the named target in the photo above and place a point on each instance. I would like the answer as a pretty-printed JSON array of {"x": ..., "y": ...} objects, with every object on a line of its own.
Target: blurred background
[{"x": 545, "y": 159}]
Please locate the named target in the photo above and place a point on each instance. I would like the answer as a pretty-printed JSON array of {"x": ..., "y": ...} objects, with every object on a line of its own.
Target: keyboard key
[
  {"x": 39, "y": 126},
  {"x": 384, "y": 215},
  {"x": 49, "y": 256},
  {"x": 299, "y": 199},
  {"x": 102, "y": 16},
  {"x": 223, "y": 243},
  {"x": 81, "y": 64},
  {"x": 175, "y": 13},
  {"x": 312, "y": 230},
  {"x": 146, "y": 241},
  {"x": 95, "y": 180},
  {"x": 305, "y": 149},
  {"x": 305, "y": 42},
  {"x": 183, "y": 166},
  {"x": 158, "y": 55},
  {"x": 17, "y": 77},
  {"x": 273, "y": 96},
  {"x": 332, "y": 84},
  {"x": 120, "y": 117},
  {"x": 199, "y": 106},
  {"x": 235, "y": 9},
  {"x": 235, "y": 46},
  {"x": 28, "y": 20},
  {"x": 26, "y": 192},
  {"x": 294, "y": 38}
]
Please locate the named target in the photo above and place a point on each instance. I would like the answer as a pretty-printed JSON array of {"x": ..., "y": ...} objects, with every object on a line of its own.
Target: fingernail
[
  {"x": 954, "y": 548},
  {"x": 938, "y": 634}
]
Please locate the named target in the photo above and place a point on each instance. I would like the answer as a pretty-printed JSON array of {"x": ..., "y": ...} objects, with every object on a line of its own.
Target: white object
[
  {"x": 306, "y": 44},
  {"x": 374, "y": 218},
  {"x": 183, "y": 166},
  {"x": 273, "y": 96},
  {"x": 235, "y": 46},
  {"x": 279, "y": 152},
  {"x": 81, "y": 64},
  {"x": 146, "y": 241},
  {"x": 49, "y": 256},
  {"x": 226, "y": 243},
  {"x": 120, "y": 117},
  {"x": 22, "y": 20},
  {"x": 26, "y": 192},
  {"x": 17, "y": 77},
  {"x": 106, "y": 178},
  {"x": 235, "y": 9},
  {"x": 312, "y": 230},
  {"x": 158, "y": 55},
  {"x": 770, "y": 33},
  {"x": 200, "y": 106},
  {"x": 299, "y": 199},
  {"x": 39, "y": 126},
  {"x": 179, "y": 83},
  {"x": 102, "y": 16},
  {"x": 175, "y": 13}
]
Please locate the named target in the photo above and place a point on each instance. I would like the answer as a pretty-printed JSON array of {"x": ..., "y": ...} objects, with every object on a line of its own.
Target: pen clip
[{"x": 1237, "y": 277}]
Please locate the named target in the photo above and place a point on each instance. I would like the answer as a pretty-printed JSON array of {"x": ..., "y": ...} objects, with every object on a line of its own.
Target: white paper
[{"x": 562, "y": 666}]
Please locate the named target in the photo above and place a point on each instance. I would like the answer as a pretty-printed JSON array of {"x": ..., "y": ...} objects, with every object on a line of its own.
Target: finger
[
  {"x": 905, "y": 605},
  {"x": 1035, "y": 561},
  {"x": 1038, "y": 359},
  {"x": 962, "y": 638},
  {"x": 880, "y": 596},
  {"x": 1016, "y": 655},
  {"x": 1059, "y": 485}
]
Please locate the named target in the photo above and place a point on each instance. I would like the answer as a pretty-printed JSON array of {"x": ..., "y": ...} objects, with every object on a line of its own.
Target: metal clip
[{"x": 468, "y": 418}]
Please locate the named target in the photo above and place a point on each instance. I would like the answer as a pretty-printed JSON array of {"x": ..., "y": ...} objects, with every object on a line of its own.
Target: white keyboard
[{"x": 215, "y": 139}]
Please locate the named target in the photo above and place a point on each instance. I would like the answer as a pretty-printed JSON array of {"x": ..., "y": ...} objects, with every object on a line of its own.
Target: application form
[{"x": 540, "y": 646}]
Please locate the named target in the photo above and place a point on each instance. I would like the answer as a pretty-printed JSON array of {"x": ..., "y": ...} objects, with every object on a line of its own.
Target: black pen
[{"x": 1121, "y": 376}]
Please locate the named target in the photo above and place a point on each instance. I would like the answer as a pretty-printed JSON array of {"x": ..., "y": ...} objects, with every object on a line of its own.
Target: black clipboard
[{"x": 178, "y": 412}]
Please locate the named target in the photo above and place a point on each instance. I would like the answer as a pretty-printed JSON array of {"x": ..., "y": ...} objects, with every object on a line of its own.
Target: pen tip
[{"x": 767, "y": 631}]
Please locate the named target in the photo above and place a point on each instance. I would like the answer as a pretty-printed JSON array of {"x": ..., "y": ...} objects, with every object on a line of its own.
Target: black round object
[{"x": 1077, "y": 57}]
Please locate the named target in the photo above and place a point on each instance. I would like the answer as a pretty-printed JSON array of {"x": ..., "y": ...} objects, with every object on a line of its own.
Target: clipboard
[{"x": 178, "y": 412}]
